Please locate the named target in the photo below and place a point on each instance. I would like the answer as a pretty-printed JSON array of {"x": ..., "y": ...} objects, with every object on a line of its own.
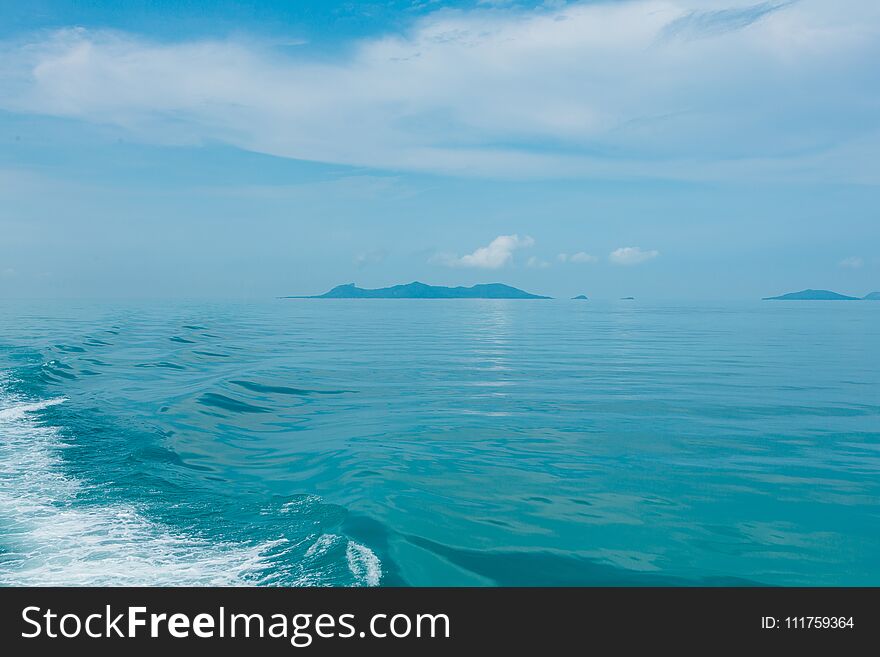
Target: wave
[
  {"x": 225, "y": 403},
  {"x": 52, "y": 534},
  {"x": 164, "y": 364},
  {"x": 253, "y": 386}
]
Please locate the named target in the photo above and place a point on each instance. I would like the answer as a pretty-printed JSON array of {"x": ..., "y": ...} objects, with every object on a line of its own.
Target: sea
[{"x": 306, "y": 442}]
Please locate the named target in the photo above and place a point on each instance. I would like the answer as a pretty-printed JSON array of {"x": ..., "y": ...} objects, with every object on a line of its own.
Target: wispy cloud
[
  {"x": 579, "y": 258},
  {"x": 631, "y": 255},
  {"x": 366, "y": 258},
  {"x": 699, "y": 23},
  {"x": 497, "y": 254},
  {"x": 536, "y": 263},
  {"x": 852, "y": 262},
  {"x": 503, "y": 91}
]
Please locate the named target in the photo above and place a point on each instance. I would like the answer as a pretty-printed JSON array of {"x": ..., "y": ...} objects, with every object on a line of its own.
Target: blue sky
[{"x": 670, "y": 149}]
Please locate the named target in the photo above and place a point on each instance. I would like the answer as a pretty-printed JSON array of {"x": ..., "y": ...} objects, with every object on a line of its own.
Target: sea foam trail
[
  {"x": 363, "y": 563},
  {"x": 51, "y": 536}
]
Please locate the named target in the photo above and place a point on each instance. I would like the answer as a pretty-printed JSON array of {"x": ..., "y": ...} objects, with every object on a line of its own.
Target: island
[
  {"x": 418, "y": 290},
  {"x": 627, "y": 298},
  {"x": 580, "y": 297},
  {"x": 812, "y": 295},
  {"x": 873, "y": 296}
]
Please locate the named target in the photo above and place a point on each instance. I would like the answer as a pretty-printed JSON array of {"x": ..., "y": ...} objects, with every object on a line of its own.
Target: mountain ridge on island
[
  {"x": 812, "y": 295},
  {"x": 417, "y": 290}
]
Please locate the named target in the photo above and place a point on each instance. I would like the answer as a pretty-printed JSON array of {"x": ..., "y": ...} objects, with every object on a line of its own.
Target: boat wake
[{"x": 53, "y": 535}]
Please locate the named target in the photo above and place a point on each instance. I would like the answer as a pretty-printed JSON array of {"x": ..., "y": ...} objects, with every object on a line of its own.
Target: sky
[{"x": 663, "y": 149}]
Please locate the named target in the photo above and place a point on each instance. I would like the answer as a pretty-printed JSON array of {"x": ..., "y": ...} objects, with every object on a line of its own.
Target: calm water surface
[{"x": 425, "y": 442}]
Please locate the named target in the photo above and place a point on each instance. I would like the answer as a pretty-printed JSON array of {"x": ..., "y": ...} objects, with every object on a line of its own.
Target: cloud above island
[
  {"x": 683, "y": 89},
  {"x": 536, "y": 263},
  {"x": 497, "y": 254},
  {"x": 580, "y": 257},
  {"x": 631, "y": 255},
  {"x": 366, "y": 258},
  {"x": 852, "y": 262}
]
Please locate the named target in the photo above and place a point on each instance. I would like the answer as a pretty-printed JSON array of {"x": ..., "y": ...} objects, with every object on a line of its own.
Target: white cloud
[
  {"x": 853, "y": 262},
  {"x": 689, "y": 89},
  {"x": 536, "y": 263},
  {"x": 631, "y": 255},
  {"x": 365, "y": 258},
  {"x": 581, "y": 257},
  {"x": 497, "y": 254}
]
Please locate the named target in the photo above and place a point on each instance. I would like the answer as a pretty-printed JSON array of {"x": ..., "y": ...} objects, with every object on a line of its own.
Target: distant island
[
  {"x": 418, "y": 290},
  {"x": 627, "y": 298},
  {"x": 580, "y": 297},
  {"x": 812, "y": 295},
  {"x": 873, "y": 296}
]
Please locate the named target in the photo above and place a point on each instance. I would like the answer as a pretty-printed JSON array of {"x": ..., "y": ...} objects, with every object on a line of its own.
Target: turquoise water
[{"x": 463, "y": 442}]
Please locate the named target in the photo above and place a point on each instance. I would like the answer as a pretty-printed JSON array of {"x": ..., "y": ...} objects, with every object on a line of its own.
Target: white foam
[
  {"x": 322, "y": 545},
  {"x": 295, "y": 505},
  {"x": 17, "y": 411},
  {"x": 363, "y": 564},
  {"x": 51, "y": 536}
]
